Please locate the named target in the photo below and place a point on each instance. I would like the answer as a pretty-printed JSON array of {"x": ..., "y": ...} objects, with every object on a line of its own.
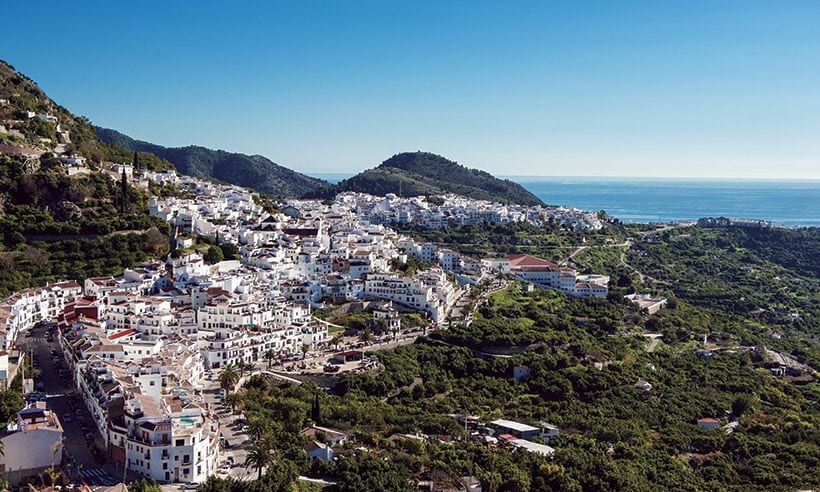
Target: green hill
[
  {"x": 57, "y": 221},
  {"x": 423, "y": 173},
  {"x": 252, "y": 171}
]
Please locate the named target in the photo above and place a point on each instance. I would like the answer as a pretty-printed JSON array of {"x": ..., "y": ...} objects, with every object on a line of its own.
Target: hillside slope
[
  {"x": 252, "y": 171},
  {"x": 424, "y": 173},
  {"x": 60, "y": 201}
]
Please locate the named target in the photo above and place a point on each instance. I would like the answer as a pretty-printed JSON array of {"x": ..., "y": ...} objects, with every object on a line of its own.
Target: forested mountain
[
  {"x": 252, "y": 171},
  {"x": 423, "y": 173}
]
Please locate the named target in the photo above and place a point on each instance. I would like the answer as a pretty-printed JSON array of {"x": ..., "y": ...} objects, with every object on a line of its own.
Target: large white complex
[{"x": 548, "y": 274}]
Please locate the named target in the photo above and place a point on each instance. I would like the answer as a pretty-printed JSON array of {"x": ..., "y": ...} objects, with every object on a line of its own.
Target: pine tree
[
  {"x": 123, "y": 191},
  {"x": 316, "y": 410}
]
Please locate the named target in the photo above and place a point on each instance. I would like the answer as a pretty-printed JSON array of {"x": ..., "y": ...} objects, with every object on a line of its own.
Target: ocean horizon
[{"x": 785, "y": 202}]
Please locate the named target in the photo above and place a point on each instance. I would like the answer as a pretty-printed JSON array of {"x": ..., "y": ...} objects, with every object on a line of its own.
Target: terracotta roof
[
  {"x": 531, "y": 261},
  {"x": 121, "y": 334}
]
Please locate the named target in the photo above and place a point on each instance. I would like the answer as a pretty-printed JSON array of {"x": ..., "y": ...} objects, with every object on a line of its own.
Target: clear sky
[{"x": 609, "y": 88}]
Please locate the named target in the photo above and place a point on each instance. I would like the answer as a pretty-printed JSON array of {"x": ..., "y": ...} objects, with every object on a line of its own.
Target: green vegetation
[
  {"x": 32, "y": 265},
  {"x": 11, "y": 401},
  {"x": 410, "y": 267},
  {"x": 585, "y": 357},
  {"x": 144, "y": 485},
  {"x": 54, "y": 226},
  {"x": 611, "y": 432},
  {"x": 252, "y": 171},
  {"x": 423, "y": 173},
  {"x": 24, "y": 95},
  {"x": 551, "y": 241},
  {"x": 761, "y": 282}
]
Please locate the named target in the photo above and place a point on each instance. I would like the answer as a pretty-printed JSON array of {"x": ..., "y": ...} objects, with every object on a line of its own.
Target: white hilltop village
[{"x": 140, "y": 349}]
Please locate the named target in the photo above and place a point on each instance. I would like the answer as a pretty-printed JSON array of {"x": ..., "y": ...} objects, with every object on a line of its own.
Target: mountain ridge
[{"x": 252, "y": 171}]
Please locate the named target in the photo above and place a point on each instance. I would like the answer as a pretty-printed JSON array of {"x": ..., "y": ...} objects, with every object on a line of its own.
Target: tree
[
  {"x": 305, "y": 350},
  {"x": 257, "y": 428},
  {"x": 136, "y": 163},
  {"x": 230, "y": 251},
  {"x": 54, "y": 473},
  {"x": 124, "y": 190},
  {"x": 279, "y": 477},
  {"x": 366, "y": 336},
  {"x": 316, "y": 410},
  {"x": 740, "y": 405},
  {"x": 269, "y": 356},
  {"x": 214, "y": 254},
  {"x": 228, "y": 378},
  {"x": 36, "y": 257},
  {"x": 259, "y": 457},
  {"x": 144, "y": 485},
  {"x": 10, "y": 402},
  {"x": 155, "y": 241},
  {"x": 234, "y": 400}
]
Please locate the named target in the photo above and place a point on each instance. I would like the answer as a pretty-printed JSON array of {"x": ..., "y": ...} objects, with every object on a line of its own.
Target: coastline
[{"x": 784, "y": 202}]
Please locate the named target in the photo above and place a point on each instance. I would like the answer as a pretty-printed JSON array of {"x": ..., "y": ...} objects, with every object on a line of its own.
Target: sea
[{"x": 783, "y": 202}]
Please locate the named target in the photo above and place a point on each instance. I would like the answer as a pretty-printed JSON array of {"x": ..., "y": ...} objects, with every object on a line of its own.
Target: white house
[{"x": 32, "y": 443}]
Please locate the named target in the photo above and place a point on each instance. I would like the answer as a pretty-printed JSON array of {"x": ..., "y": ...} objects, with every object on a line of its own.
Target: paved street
[
  {"x": 230, "y": 425},
  {"x": 79, "y": 430}
]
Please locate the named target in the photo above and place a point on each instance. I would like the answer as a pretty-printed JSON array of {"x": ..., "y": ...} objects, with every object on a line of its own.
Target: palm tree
[
  {"x": 234, "y": 400},
  {"x": 259, "y": 457},
  {"x": 228, "y": 378},
  {"x": 257, "y": 428},
  {"x": 269, "y": 356},
  {"x": 52, "y": 472},
  {"x": 366, "y": 336}
]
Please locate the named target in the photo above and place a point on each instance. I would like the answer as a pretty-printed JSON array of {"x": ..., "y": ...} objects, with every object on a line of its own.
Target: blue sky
[{"x": 654, "y": 88}]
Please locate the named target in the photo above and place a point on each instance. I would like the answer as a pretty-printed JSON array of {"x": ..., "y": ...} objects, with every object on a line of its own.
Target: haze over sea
[{"x": 788, "y": 203}]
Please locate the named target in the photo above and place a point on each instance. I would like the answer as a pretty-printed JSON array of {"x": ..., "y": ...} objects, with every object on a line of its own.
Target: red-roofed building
[
  {"x": 124, "y": 335},
  {"x": 532, "y": 269}
]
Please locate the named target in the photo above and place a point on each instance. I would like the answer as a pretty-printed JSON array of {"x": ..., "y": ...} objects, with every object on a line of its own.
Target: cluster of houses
[
  {"x": 454, "y": 210},
  {"x": 139, "y": 346}
]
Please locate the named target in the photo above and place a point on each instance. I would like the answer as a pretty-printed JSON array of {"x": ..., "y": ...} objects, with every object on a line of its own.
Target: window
[{"x": 180, "y": 442}]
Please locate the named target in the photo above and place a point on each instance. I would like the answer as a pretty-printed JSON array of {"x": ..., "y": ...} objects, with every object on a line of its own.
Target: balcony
[{"x": 149, "y": 442}]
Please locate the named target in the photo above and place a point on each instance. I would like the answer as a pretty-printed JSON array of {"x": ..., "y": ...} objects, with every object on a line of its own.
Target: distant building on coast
[{"x": 728, "y": 222}]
